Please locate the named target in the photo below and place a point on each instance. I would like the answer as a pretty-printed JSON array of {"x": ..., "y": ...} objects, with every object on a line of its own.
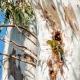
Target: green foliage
[
  {"x": 0, "y": 30},
  {"x": 7, "y": 15},
  {"x": 18, "y": 19},
  {"x": 20, "y": 13}
]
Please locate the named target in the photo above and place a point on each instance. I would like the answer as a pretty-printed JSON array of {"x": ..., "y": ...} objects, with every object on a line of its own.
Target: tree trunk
[
  {"x": 58, "y": 20},
  {"x": 13, "y": 68},
  {"x": 19, "y": 48}
]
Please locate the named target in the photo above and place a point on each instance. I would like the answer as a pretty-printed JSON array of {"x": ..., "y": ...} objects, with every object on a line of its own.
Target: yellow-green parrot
[
  {"x": 56, "y": 46},
  {"x": 53, "y": 43}
]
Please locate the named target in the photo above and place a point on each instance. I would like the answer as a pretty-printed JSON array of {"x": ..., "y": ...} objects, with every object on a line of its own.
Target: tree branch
[
  {"x": 25, "y": 35},
  {"x": 12, "y": 56},
  {"x": 23, "y": 51},
  {"x": 3, "y": 39},
  {"x": 5, "y": 25}
]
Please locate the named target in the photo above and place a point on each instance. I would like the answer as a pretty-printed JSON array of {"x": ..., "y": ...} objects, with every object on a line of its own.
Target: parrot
[
  {"x": 60, "y": 51},
  {"x": 56, "y": 45},
  {"x": 53, "y": 43}
]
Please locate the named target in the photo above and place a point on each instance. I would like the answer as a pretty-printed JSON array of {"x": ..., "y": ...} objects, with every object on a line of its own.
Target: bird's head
[{"x": 49, "y": 41}]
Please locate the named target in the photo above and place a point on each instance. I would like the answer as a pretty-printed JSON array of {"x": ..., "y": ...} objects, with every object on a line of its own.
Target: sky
[{"x": 2, "y": 34}]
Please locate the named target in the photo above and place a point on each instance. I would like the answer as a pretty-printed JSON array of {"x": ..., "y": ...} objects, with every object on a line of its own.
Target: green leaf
[
  {"x": 21, "y": 0},
  {"x": 0, "y": 29},
  {"x": 18, "y": 17},
  {"x": 0, "y": 2},
  {"x": 8, "y": 15},
  {"x": 29, "y": 12}
]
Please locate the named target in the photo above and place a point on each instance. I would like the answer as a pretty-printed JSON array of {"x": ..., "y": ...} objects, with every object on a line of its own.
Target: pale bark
[
  {"x": 19, "y": 52},
  {"x": 51, "y": 16},
  {"x": 13, "y": 68},
  {"x": 63, "y": 16}
]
